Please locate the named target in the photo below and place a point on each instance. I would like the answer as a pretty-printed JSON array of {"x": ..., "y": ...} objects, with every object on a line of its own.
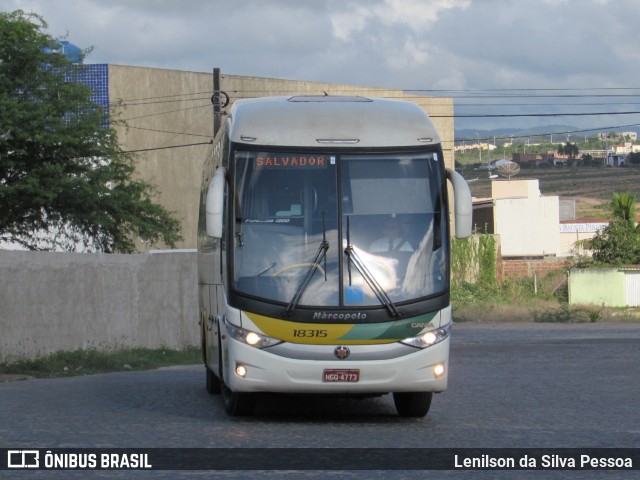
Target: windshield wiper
[
  {"x": 321, "y": 255},
  {"x": 368, "y": 277},
  {"x": 437, "y": 222}
]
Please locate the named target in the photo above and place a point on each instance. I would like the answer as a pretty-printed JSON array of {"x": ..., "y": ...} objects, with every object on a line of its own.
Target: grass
[
  {"x": 542, "y": 311},
  {"x": 91, "y": 361},
  {"x": 543, "y": 300}
]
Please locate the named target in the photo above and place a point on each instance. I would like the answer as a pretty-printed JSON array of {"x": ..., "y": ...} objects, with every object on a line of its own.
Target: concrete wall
[
  {"x": 163, "y": 109},
  {"x": 65, "y": 301},
  {"x": 166, "y": 108},
  {"x": 521, "y": 188},
  {"x": 597, "y": 286},
  {"x": 528, "y": 226},
  {"x": 526, "y": 221}
]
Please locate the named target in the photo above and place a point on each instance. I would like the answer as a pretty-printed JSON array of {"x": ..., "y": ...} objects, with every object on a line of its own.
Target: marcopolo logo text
[{"x": 339, "y": 316}]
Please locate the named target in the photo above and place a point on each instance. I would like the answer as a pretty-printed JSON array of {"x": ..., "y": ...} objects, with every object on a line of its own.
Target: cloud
[
  {"x": 414, "y": 15},
  {"x": 552, "y": 43},
  {"x": 398, "y": 42},
  {"x": 411, "y": 44}
]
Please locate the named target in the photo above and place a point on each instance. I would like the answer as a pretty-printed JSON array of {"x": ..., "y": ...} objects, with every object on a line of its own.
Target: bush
[
  {"x": 567, "y": 314},
  {"x": 617, "y": 244}
]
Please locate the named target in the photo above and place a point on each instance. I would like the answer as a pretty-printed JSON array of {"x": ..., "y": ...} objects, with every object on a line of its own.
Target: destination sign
[{"x": 290, "y": 161}]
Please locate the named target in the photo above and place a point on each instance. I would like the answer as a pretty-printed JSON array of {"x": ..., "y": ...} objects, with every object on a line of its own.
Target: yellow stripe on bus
[{"x": 313, "y": 333}]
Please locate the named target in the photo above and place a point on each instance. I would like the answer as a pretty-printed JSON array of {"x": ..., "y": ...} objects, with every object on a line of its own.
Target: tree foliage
[
  {"x": 623, "y": 206},
  {"x": 570, "y": 149},
  {"x": 619, "y": 242},
  {"x": 65, "y": 183},
  {"x": 634, "y": 158}
]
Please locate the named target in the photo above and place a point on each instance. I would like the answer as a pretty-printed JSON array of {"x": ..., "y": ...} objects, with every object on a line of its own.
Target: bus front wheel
[
  {"x": 412, "y": 404},
  {"x": 237, "y": 404}
]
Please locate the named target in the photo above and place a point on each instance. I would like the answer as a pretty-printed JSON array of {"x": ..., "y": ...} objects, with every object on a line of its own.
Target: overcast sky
[{"x": 461, "y": 45}]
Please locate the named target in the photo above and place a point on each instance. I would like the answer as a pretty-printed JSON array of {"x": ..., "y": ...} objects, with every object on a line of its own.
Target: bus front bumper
[{"x": 249, "y": 369}]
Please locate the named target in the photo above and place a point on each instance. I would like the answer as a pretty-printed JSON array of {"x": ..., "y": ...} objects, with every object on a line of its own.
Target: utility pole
[{"x": 215, "y": 99}]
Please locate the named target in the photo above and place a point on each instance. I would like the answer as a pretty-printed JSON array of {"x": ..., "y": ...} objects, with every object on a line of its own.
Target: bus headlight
[
  {"x": 251, "y": 338},
  {"x": 426, "y": 339}
]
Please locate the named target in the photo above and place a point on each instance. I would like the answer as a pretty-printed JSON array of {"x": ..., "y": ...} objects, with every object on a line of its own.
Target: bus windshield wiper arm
[
  {"x": 368, "y": 277},
  {"x": 321, "y": 255}
]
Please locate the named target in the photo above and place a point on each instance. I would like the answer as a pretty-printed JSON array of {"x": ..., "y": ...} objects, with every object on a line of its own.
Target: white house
[
  {"x": 526, "y": 221},
  {"x": 616, "y": 159}
]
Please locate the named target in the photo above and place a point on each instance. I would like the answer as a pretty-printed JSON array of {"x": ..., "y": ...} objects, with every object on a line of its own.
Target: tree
[
  {"x": 65, "y": 183},
  {"x": 623, "y": 206},
  {"x": 570, "y": 149},
  {"x": 634, "y": 158},
  {"x": 617, "y": 244},
  {"x": 587, "y": 160}
]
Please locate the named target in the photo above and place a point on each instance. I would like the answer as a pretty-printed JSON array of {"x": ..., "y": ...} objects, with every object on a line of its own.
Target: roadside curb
[{"x": 9, "y": 377}]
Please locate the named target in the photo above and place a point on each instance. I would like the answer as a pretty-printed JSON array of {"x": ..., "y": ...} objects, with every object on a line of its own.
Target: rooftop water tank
[{"x": 72, "y": 52}]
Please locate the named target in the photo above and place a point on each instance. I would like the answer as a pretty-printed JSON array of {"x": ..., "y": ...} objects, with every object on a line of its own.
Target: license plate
[{"x": 341, "y": 375}]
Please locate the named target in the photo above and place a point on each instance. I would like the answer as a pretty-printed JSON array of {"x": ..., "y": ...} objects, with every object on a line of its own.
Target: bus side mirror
[
  {"x": 462, "y": 204},
  {"x": 215, "y": 202}
]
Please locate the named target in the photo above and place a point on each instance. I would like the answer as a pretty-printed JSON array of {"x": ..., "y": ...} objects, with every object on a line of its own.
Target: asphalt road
[{"x": 513, "y": 385}]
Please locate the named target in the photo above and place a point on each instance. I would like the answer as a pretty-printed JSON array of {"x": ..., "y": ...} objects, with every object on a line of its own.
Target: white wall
[
  {"x": 528, "y": 226},
  {"x": 520, "y": 188}
]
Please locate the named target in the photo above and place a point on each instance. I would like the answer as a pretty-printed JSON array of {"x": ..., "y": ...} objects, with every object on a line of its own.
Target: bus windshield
[{"x": 339, "y": 230}]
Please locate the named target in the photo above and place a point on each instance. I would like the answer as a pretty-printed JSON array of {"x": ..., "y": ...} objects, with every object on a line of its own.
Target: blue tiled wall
[{"x": 96, "y": 76}]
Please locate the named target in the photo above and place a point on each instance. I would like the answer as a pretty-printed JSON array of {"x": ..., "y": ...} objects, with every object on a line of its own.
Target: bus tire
[
  {"x": 213, "y": 382},
  {"x": 237, "y": 404},
  {"x": 412, "y": 404}
]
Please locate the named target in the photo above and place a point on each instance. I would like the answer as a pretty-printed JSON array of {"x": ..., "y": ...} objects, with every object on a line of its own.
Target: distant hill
[{"x": 469, "y": 134}]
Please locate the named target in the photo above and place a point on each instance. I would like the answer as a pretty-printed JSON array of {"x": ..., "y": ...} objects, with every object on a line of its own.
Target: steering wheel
[{"x": 300, "y": 265}]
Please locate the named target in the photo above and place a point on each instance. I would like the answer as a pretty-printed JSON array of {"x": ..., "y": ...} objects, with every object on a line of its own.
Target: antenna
[{"x": 509, "y": 169}]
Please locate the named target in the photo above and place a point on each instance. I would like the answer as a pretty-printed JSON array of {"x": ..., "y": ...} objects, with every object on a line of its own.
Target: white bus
[{"x": 324, "y": 252}]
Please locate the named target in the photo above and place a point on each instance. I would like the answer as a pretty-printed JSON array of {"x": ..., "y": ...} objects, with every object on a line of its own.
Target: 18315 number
[{"x": 310, "y": 333}]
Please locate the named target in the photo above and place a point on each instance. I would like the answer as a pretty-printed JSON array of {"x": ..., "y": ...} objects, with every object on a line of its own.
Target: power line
[
  {"x": 164, "y": 113},
  {"x": 504, "y": 94},
  {"x": 458, "y": 115},
  {"x": 520, "y": 89},
  {"x": 188, "y": 126},
  {"x": 511, "y": 115},
  {"x": 537, "y": 104},
  {"x": 167, "y": 147},
  {"x": 156, "y": 102},
  {"x": 496, "y": 137},
  {"x": 169, "y": 132},
  {"x": 415, "y": 93},
  {"x": 543, "y": 134},
  {"x": 456, "y": 93},
  {"x": 186, "y": 94}
]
